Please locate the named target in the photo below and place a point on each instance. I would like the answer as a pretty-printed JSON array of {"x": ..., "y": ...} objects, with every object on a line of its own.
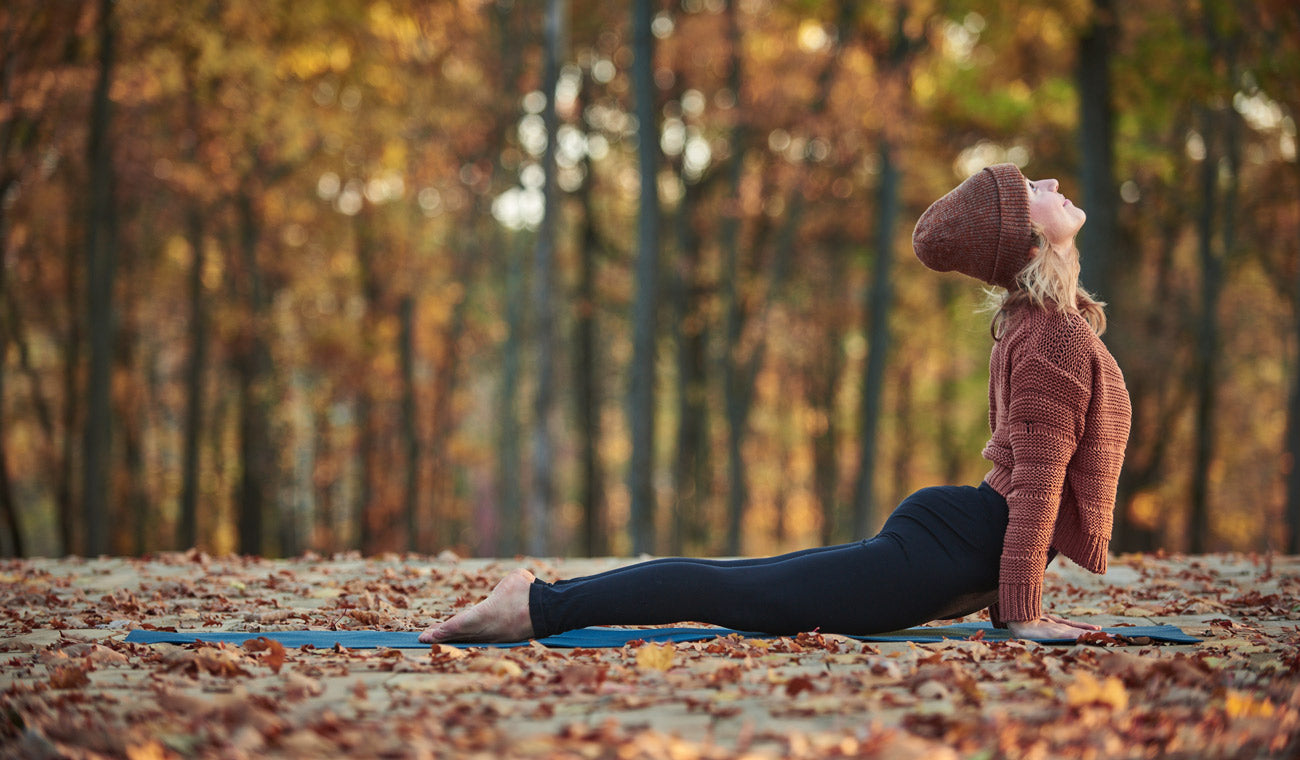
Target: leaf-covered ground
[{"x": 71, "y": 687}]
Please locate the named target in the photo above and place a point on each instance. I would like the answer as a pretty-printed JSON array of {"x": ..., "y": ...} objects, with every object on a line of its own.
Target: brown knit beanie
[{"x": 980, "y": 229}]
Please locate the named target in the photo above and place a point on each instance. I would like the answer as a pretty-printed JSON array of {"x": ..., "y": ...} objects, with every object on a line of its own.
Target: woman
[{"x": 1059, "y": 413}]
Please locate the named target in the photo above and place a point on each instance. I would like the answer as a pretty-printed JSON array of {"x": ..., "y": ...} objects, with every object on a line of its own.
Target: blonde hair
[{"x": 1049, "y": 281}]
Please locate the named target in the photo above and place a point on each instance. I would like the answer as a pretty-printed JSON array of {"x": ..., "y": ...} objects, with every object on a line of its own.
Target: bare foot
[{"x": 503, "y": 616}]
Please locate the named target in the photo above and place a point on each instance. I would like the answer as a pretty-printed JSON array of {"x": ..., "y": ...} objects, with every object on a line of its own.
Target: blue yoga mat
[{"x": 600, "y": 637}]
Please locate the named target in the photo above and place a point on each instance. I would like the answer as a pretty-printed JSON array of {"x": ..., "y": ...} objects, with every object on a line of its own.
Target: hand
[{"x": 1049, "y": 627}]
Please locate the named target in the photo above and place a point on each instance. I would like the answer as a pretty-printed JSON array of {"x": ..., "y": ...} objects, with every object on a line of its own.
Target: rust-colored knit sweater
[{"x": 1060, "y": 416}]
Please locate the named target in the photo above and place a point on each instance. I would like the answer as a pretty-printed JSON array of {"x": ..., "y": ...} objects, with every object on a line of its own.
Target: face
[{"x": 1059, "y": 218}]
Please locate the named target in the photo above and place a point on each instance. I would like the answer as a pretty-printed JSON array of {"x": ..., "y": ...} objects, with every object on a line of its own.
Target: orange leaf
[{"x": 275, "y": 654}]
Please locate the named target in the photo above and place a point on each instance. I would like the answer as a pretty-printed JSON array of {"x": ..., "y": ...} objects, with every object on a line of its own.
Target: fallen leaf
[
  {"x": 655, "y": 657},
  {"x": 1241, "y": 705},
  {"x": 1087, "y": 690},
  {"x": 152, "y": 750},
  {"x": 69, "y": 677},
  {"x": 797, "y": 685},
  {"x": 298, "y": 686},
  {"x": 497, "y": 666},
  {"x": 275, "y": 654}
]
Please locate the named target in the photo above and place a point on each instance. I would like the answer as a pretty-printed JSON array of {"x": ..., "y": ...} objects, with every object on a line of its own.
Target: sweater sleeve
[{"x": 1045, "y": 419}]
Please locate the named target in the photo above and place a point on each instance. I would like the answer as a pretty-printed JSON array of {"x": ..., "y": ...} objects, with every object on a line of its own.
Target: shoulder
[{"x": 1065, "y": 341}]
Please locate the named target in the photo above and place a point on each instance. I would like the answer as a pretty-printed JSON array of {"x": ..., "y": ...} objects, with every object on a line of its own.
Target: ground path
[{"x": 70, "y": 687}]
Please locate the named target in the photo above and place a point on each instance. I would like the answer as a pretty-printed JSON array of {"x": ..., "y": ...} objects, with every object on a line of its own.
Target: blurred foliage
[{"x": 372, "y": 153}]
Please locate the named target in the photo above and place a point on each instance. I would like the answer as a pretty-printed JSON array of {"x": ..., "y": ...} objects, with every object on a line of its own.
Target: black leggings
[{"x": 936, "y": 557}]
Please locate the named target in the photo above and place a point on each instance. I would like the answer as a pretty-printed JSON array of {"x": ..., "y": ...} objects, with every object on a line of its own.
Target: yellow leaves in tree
[
  {"x": 307, "y": 61},
  {"x": 387, "y": 23},
  {"x": 655, "y": 657},
  {"x": 1088, "y": 690}
]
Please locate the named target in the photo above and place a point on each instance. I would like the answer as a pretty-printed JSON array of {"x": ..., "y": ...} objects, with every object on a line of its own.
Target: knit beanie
[{"x": 980, "y": 229}]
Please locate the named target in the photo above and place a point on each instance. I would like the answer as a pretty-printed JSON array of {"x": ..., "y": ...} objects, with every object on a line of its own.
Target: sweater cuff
[{"x": 1020, "y": 602}]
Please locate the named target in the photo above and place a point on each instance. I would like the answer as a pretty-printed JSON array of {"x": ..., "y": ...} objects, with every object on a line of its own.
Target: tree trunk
[
  {"x": 877, "y": 328},
  {"x": 187, "y": 532},
  {"x": 1098, "y": 239},
  {"x": 1292, "y": 467},
  {"x": 511, "y": 538},
  {"x": 445, "y": 372},
  {"x": 499, "y": 520},
  {"x": 586, "y": 376},
  {"x": 253, "y": 365},
  {"x": 641, "y": 396},
  {"x": 690, "y": 334},
  {"x": 136, "y": 492},
  {"x": 367, "y": 509},
  {"x": 823, "y": 379},
  {"x": 729, "y": 241},
  {"x": 325, "y": 524},
  {"x": 13, "y": 547},
  {"x": 187, "y": 529},
  {"x": 410, "y": 432},
  {"x": 364, "y": 510},
  {"x": 71, "y": 355},
  {"x": 1206, "y": 365},
  {"x": 101, "y": 260},
  {"x": 543, "y": 464},
  {"x": 826, "y": 469}
]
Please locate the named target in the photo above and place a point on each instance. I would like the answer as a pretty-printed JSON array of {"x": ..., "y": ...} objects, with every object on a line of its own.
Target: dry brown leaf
[
  {"x": 95, "y": 653},
  {"x": 299, "y": 686},
  {"x": 797, "y": 685},
  {"x": 275, "y": 654},
  {"x": 69, "y": 677}
]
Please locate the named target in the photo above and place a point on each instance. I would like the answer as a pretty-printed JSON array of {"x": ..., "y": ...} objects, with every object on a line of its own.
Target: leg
[
  {"x": 504, "y": 614},
  {"x": 940, "y": 548},
  {"x": 741, "y": 562}
]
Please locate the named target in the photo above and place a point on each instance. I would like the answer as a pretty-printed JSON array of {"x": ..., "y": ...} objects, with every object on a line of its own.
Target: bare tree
[
  {"x": 641, "y": 394},
  {"x": 1098, "y": 239},
  {"x": 101, "y": 261},
  {"x": 899, "y": 49},
  {"x": 543, "y": 482}
]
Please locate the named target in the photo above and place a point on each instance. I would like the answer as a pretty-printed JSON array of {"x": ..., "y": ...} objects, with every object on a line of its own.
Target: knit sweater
[{"x": 1060, "y": 414}]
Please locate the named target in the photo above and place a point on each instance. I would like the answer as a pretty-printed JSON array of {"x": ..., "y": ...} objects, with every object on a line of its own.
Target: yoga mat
[{"x": 600, "y": 637}]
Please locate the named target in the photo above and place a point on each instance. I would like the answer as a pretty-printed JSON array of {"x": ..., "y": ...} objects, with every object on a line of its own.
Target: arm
[{"x": 1045, "y": 419}]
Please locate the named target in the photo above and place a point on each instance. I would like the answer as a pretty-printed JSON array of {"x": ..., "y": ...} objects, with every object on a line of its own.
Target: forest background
[{"x": 339, "y": 275}]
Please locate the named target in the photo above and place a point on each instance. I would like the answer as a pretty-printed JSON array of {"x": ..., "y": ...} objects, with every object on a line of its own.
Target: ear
[{"x": 1034, "y": 251}]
